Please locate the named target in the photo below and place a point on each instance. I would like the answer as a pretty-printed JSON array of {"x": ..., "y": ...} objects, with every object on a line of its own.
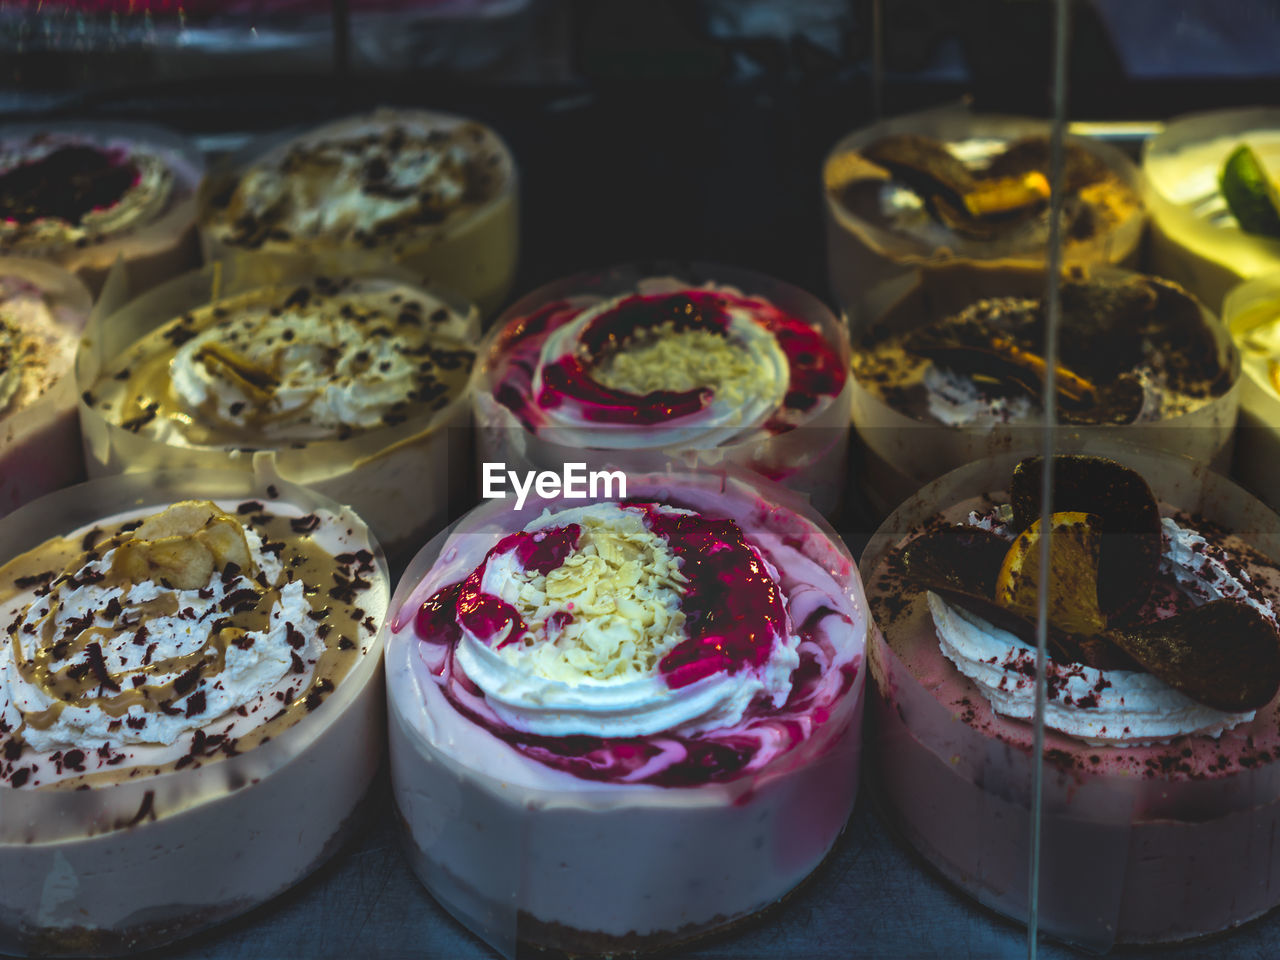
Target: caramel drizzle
[
  {"x": 443, "y": 365},
  {"x": 302, "y": 559}
]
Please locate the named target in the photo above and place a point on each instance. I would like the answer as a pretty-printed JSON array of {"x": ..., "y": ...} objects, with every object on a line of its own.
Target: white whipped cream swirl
[
  {"x": 754, "y": 375},
  {"x": 333, "y": 364},
  {"x": 250, "y": 670},
  {"x": 598, "y": 674}
]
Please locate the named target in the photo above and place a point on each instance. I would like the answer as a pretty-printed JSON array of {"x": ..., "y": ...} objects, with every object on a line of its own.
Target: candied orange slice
[
  {"x": 1074, "y": 549},
  {"x": 1004, "y": 195}
]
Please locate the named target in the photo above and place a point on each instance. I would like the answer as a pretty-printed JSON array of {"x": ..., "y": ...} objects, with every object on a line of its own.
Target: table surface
[{"x": 872, "y": 898}]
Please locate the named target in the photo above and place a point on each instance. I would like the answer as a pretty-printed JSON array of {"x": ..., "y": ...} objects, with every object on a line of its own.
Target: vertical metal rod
[{"x": 1053, "y": 313}]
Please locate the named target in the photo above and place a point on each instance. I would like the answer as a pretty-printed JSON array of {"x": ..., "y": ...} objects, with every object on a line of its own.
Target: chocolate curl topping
[
  {"x": 971, "y": 204},
  {"x": 961, "y": 565},
  {"x": 1225, "y": 654},
  {"x": 989, "y": 355},
  {"x": 1130, "y": 554},
  {"x": 960, "y": 559},
  {"x": 924, "y": 164}
]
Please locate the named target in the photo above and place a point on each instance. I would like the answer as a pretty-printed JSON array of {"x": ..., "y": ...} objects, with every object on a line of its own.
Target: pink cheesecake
[
  {"x": 43, "y": 310},
  {"x": 1162, "y": 741},
  {"x": 86, "y": 194},
  {"x": 619, "y": 724},
  {"x": 634, "y": 370}
]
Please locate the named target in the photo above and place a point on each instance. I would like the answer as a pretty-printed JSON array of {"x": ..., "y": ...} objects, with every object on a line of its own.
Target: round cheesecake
[
  {"x": 43, "y": 310},
  {"x": 617, "y": 724},
  {"x": 431, "y": 192},
  {"x": 190, "y": 703},
  {"x": 1162, "y": 720},
  {"x": 954, "y": 370},
  {"x": 353, "y": 386},
  {"x": 637, "y": 371},
  {"x": 82, "y": 195},
  {"x": 1195, "y": 238},
  {"x": 946, "y": 185}
]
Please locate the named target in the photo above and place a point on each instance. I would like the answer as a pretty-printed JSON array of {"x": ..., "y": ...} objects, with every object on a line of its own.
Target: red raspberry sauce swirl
[
  {"x": 814, "y": 367},
  {"x": 734, "y": 614}
]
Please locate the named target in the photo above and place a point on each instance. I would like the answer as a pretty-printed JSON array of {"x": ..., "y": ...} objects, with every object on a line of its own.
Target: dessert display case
[{"x": 1000, "y": 813}]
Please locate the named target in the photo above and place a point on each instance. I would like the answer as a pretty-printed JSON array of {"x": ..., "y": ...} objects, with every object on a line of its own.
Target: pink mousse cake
[
  {"x": 620, "y": 724},
  {"x": 84, "y": 195},
  {"x": 635, "y": 371},
  {"x": 1162, "y": 741}
]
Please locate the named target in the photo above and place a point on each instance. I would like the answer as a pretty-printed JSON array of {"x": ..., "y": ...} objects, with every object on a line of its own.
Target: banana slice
[
  {"x": 224, "y": 536},
  {"x": 182, "y": 519},
  {"x": 183, "y": 547},
  {"x": 182, "y": 563}
]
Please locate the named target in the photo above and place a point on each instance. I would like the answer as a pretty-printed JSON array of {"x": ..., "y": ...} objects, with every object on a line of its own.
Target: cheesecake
[
  {"x": 431, "y": 192},
  {"x": 356, "y": 387},
  {"x": 632, "y": 370},
  {"x": 1162, "y": 720},
  {"x": 43, "y": 310},
  {"x": 190, "y": 703},
  {"x": 620, "y": 724}
]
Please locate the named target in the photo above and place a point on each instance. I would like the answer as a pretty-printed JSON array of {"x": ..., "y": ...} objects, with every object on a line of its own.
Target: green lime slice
[{"x": 1251, "y": 194}]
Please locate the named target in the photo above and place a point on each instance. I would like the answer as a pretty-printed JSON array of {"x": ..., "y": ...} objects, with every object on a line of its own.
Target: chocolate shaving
[
  {"x": 98, "y": 664},
  {"x": 195, "y": 703},
  {"x": 304, "y": 524},
  {"x": 1224, "y": 654},
  {"x": 962, "y": 559}
]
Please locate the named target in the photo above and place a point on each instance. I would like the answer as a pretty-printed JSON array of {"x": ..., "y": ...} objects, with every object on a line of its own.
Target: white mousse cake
[
  {"x": 43, "y": 310},
  {"x": 350, "y": 386}
]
